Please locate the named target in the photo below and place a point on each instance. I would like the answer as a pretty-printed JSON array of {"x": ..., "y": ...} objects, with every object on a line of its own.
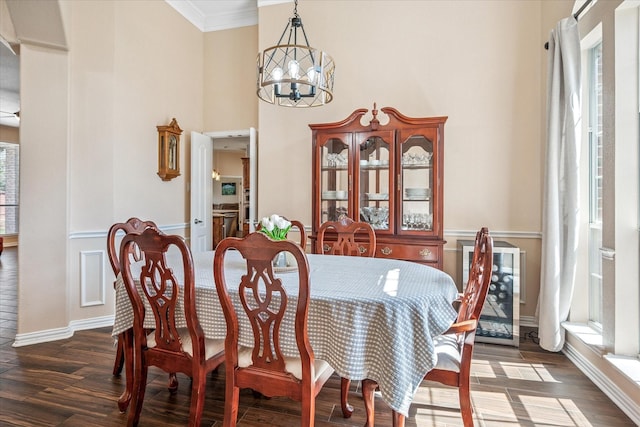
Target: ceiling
[{"x": 206, "y": 15}]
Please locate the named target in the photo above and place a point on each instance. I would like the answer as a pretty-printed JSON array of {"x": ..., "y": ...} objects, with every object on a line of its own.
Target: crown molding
[{"x": 241, "y": 17}]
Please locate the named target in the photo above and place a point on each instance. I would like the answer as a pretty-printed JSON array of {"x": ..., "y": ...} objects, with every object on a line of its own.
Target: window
[
  {"x": 607, "y": 292},
  {"x": 595, "y": 185},
  {"x": 9, "y": 173}
]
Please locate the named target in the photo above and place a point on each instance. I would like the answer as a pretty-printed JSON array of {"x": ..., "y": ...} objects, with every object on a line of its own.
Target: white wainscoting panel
[{"x": 92, "y": 278}]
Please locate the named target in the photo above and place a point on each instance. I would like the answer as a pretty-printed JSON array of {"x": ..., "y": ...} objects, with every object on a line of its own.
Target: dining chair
[
  {"x": 345, "y": 242},
  {"x": 132, "y": 224},
  {"x": 454, "y": 347},
  {"x": 166, "y": 286},
  {"x": 267, "y": 306},
  {"x": 124, "y": 340},
  {"x": 294, "y": 224}
]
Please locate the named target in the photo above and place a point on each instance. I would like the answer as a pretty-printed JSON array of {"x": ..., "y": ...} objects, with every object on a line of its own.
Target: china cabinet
[{"x": 389, "y": 175}]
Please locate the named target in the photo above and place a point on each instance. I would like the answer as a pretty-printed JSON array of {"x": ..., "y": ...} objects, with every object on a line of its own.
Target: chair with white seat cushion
[
  {"x": 161, "y": 285},
  {"x": 263, "y": 367},
  {"x": 454, "y": 347}
]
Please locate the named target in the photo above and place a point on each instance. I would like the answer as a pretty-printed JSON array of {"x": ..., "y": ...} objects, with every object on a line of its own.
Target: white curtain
[{"x": 560, "y": 204}]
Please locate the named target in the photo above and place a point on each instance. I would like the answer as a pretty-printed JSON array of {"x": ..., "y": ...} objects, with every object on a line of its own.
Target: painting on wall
[{"x": 228, "y": 188}]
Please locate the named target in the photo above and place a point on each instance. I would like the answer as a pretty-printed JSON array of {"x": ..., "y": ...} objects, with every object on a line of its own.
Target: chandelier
[{"x": 292, "y": 74}]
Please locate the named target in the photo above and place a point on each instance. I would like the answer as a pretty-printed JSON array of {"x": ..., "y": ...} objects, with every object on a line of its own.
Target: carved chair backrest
[
  {"x": 152, "y": 282},
  {"x": 477, "y": 286},
  {"x": 264, "y": 300},
  {"x": 132, "y": 224},
  {"x": 345, "y": 244}
]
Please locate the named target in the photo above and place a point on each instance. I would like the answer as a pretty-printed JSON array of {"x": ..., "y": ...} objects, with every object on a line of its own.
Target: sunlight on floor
[
  {"x": 513, "y": 370},
  {"x": 554, "y": 411},
  {"x": 500, "y": 404}
]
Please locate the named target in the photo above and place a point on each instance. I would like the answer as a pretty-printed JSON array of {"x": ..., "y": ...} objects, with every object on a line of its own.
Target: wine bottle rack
[{"x": 500, "y": 318}]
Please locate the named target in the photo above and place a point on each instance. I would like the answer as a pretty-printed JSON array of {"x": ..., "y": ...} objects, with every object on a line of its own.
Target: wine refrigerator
[{"x": 500, "y": 318}]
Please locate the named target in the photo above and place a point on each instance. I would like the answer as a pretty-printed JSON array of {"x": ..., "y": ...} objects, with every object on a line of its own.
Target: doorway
[{"x": 207, "y": 174}]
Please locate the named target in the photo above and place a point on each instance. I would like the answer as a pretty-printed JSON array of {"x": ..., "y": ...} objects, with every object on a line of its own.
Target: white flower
[
  {"x": 275, "y": 227},
  {"x": 281, "y": 223},
  {"x": 267, "y": 224}
]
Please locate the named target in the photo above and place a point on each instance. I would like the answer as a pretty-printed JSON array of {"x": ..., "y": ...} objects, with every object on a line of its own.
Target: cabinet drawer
[
  {"x": 362, "y": 247},
  {"x": 422, "y": 253}
]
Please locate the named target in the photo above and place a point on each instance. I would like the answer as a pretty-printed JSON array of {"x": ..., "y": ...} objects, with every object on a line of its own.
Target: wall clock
[{"x": 169, "y": 150}]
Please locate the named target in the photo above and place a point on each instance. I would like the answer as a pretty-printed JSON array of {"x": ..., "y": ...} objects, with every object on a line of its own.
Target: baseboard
[
  {"x": 48, "y": 335},
  {"x": 529, "y": 321},
  {"x": 620, "y": 398}
]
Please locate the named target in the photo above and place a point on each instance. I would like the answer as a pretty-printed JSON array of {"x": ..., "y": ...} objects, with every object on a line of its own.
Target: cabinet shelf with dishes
[
  {"x": 334, "y": 168},
  {"x": 390, "y": 175}
]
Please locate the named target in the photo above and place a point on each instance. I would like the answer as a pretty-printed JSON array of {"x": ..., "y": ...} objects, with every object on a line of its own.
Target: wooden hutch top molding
[{"x": 395, "y": 118}]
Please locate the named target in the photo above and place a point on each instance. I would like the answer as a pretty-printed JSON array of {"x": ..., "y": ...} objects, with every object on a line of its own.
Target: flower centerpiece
[{"x": 275, "y": 227}]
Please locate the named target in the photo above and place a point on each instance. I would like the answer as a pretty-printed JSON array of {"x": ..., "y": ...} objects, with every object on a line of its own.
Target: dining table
[{"x": 369, "y": 318}]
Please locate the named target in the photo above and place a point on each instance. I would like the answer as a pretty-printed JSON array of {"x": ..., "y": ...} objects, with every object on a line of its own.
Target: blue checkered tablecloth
[{"x": 368, "y": 317}]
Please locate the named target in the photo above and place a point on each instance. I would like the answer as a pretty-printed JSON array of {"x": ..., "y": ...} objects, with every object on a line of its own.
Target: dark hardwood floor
[{"x": 69, "y": 383}]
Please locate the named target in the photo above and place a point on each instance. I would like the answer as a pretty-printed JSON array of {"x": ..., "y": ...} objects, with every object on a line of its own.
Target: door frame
[{"x": 252, "y": 153}]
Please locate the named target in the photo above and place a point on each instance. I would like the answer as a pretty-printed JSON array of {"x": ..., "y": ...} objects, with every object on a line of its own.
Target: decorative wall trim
[
  {"x": 529, "y": 321},
  {"x": 92, "y": 278},
  {"x": 523, "y": 277},
  {"x": 471, "y": 234},
  {"x": 62, "y": 333},
  {"x": 619, "y": 397},
  {"x": 102, "y": 234},
  {"x": 221, "y": 21}
]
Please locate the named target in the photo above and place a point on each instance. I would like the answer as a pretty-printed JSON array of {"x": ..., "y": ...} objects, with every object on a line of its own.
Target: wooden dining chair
[
  {"x": 294, "y": 224},
  {"x": 132, "y": 224},
  {"x": 454, "y": 348},
  {"x": 152, "y": 282},
  {"x": 263, "y": 367},
  {"x": 123, "y": 342},
  {"x": 345, "y": 243}
]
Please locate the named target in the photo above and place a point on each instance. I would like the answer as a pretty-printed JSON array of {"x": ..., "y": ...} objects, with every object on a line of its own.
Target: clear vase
[{"x": 280, "y": 260}]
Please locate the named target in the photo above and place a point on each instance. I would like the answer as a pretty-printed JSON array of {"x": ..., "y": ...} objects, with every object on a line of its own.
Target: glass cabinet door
[
  {"x": 417, "y": 177},
  {"x": 375, "y": 178},
  {"x": 334, "y": 179}
]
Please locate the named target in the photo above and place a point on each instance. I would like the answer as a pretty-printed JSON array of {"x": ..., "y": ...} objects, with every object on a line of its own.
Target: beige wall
[
  {"x": 89, "y": 148},
  {"x": 484, "y": 74},
  {"x": 228, "y": 163},
  {"x": 230, "y": 101}
]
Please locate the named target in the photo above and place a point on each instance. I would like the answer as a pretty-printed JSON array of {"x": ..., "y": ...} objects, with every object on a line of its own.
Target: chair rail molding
[
  {"x": 495, "y": 234},
  {"x": 94, "y": 234}
]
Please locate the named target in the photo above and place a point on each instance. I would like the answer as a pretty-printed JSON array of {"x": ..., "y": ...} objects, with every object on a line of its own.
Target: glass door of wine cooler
[
  {"x": 335, "y": 178},
  {"x": 500, "y": 318},
  {"x": 375, "y": 190}
]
